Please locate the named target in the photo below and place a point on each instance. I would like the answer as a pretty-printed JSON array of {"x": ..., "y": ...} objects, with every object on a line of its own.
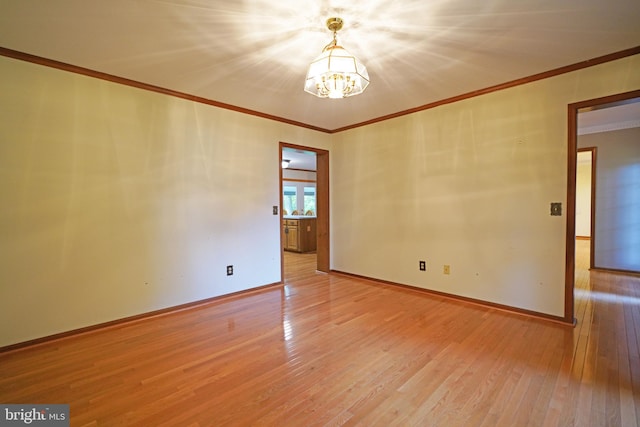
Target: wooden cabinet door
[{"x": 291, "y": 237}]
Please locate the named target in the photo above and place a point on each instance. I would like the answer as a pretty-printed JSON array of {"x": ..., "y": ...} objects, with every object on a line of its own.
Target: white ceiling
[
  {"x": 610, "y": 117},
  {"x": 254, "y": 53},
  {"x": 299, "y": 159}
]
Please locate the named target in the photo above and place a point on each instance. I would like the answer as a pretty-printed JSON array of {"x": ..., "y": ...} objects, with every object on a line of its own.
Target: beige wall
[
  {"x": 467, "y": 184},
  {"x": 116, "y": 201}
]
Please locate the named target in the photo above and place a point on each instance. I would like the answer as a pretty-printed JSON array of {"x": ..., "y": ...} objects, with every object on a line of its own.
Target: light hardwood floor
[{"x": 326, "y": 349}]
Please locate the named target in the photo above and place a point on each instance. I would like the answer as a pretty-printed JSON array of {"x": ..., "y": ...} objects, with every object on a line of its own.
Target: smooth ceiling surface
[{"x": 254, "y": 53}]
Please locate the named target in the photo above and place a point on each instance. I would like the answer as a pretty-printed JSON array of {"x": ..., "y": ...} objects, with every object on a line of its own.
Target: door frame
[
  {"x": 572, "y": 153},
  {"x": 322, "y": 207}
]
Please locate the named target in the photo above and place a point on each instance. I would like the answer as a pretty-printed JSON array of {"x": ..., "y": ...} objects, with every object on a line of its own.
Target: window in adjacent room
[
  {"x": 310, "y": 200},
  {"x": 289, "y": 199}
]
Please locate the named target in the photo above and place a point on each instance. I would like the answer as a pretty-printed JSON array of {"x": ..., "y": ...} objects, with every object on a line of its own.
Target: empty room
[{"x": 236, "y": 213}]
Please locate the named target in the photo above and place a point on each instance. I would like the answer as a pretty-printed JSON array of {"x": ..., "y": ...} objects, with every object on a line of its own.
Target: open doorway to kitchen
[{"x": 304, "y": 209}]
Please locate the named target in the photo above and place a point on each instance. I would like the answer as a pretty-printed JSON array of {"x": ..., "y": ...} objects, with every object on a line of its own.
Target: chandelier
[{"x": 336, "y": 73}]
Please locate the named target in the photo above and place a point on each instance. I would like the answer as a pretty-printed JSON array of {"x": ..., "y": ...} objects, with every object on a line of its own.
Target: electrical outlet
[
  {"x": 423, "y": 265},
  {"x": 446, "y": 269},
  {"x": 229, "y": 270}
]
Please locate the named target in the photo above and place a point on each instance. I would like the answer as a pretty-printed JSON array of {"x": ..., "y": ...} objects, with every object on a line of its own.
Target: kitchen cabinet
[{"x": 299, "y": 234}]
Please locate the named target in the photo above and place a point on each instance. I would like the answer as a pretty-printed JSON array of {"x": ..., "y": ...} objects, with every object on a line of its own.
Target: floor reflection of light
[
  {"x": 287, "y": 330},
  {"x": 287, "y": 291},
  {"x": 606, "y": 297}
]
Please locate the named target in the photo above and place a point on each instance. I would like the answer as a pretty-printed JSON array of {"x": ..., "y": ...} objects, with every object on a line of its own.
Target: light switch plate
[{"x": 556, "y": 209}]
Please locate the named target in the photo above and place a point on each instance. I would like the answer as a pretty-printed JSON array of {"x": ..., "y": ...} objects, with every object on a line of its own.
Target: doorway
[
  {"x": 572, "y": 154},
  {"x": 321, "y": 204},
  {"x": 586, "y": 197}
]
